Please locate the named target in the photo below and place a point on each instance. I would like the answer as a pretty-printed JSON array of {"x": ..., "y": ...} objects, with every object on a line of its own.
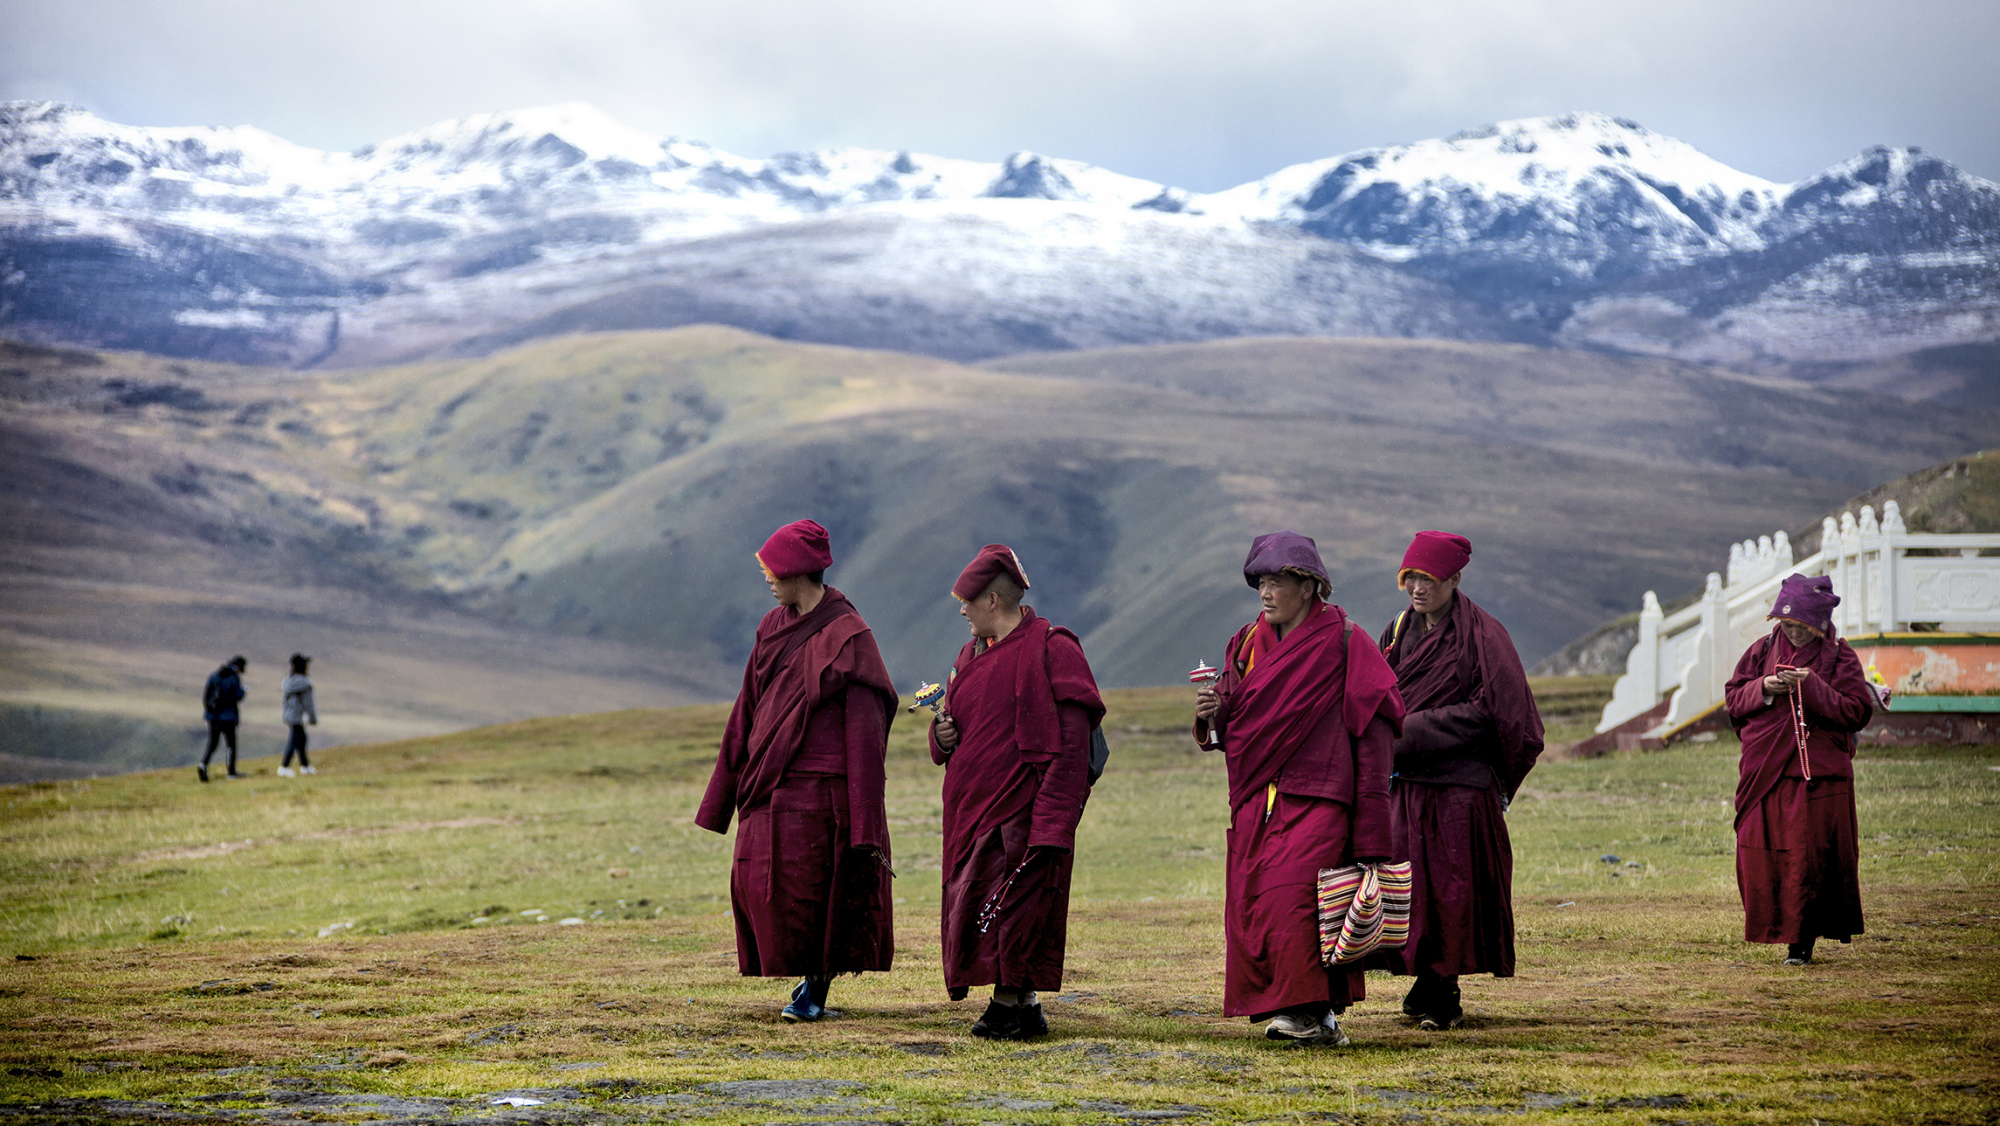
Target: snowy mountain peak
[
  {"x": 1571, "y": 196},
  {"x": 1027, "y": 175},
  {"x": 1880, "y": 173},
  {"x": 565, "y": 135}
]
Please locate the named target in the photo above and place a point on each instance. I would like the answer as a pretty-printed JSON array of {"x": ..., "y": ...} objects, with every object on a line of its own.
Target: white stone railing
[{"x": 1886, "y": 578}]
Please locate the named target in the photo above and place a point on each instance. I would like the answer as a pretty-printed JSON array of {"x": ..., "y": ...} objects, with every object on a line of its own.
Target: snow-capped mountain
[
  {"x": 1600, "y": 185},
  {"x": 1583, "y": 229},
  {"x": 483, "y": 175},
  {"x": 1656, "y": 242}
]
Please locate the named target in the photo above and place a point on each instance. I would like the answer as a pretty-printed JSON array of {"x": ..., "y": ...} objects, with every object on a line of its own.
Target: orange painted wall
[{"x": 1955, "y": 665}]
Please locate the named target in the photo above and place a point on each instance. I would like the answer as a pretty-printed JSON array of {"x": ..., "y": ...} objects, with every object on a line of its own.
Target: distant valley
[{"x": 566, "y": 525}]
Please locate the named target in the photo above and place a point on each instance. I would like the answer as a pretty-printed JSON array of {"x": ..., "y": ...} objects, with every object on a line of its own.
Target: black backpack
[{"x": 211, "y": 695}]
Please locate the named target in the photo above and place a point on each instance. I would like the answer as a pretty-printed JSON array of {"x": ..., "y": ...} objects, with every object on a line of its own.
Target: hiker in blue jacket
[{"x": 218, "y": 705}]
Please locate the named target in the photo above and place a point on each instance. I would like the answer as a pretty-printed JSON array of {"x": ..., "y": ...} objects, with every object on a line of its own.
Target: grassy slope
[
  {"x": 624, "y": 473},
  {"x": 523, "y": 533},
  {"x": 1632, "y": 987},
  {"x": 161, "y": 516}
]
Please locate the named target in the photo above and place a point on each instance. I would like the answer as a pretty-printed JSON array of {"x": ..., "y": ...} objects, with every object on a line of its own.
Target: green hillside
[
  {"x": 567, "y": 526},
  {"x": 388, "y": 939}
]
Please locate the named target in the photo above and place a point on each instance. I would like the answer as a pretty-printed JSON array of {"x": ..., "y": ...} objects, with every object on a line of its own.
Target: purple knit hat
[
  {"x": 1809, "y": 602},
  {"x": 1274, "y": 552}
]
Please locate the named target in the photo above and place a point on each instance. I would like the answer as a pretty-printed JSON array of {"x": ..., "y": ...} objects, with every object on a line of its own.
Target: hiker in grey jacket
[{"x": 299, "y": 711}]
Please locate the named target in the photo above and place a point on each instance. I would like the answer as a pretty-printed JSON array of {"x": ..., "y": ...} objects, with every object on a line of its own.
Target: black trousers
[
  {"x": 297, "y": 744},
  {"x": 223, "y": 730}
]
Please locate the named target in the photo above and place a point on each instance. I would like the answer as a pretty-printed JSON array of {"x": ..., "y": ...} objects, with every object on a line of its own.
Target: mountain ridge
[{"x": 1581, "y": 230}]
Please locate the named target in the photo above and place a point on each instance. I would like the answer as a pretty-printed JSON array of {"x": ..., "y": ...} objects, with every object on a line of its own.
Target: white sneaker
[
  {"x": 1335, "y": 1036},
  {"x": 1303, "y": 1030},
  {"x": 308, "y": 770},
  {"x": 284, "y": 772}
]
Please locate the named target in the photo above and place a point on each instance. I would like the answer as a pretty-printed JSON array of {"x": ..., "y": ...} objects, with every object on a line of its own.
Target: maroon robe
[
  {"x": 1798, "y": 854},
  {"x": 1016, "y": 782},
  {"x": 1472, "y": 735},
  {"x": 1314, "y": 715},
  {"x": 802, "y": 768}
]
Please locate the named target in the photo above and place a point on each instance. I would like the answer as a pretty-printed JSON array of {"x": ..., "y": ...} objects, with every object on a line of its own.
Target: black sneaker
[
  {"x": 1033, "y": 1023},
  {"x": 1011, "y": 1022},
  {"x": 202, "y": 772},
  {"x": 1441, "y": 1008},
  {"x": 1413, "y": 1001},
  {"x": 1442, "y": 1021}
]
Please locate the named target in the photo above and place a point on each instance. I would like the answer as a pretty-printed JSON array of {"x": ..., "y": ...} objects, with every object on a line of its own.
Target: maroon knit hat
[
  {"x": 1440, "y": 555},
  {"x": 1276, "y": 552},
  {"x": 993, "y": 560},
  {"x": 798, "y": 548},
  {"x": 1809, "y": 602}
]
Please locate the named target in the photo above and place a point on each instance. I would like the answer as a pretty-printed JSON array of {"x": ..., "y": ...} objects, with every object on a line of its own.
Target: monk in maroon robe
[
  {"x": 1797, "y": 698},
  {"x": 1014, "y": 737},
  {"x": 802, "y": 768},
  {"x": 1472, "y": 735},
  {"x": 1306, "y": 712}
]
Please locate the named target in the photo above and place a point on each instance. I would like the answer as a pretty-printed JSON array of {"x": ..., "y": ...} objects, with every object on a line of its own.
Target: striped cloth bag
[{"x": 1362, "y": 908}]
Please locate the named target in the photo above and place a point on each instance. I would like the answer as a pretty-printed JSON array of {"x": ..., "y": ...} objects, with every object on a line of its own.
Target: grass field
[{"x": 290, "y": 950}]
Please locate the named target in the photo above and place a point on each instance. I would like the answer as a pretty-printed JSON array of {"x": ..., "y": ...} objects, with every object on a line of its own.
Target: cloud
[{"x": 1201, "y": 93}]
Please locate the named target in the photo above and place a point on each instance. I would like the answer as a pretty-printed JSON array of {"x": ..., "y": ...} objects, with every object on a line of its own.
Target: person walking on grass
[
  {"x": 1014, "y": 737},
  {"x": 298, "y": 711},
  {"x": 219, "y": 700},
  {"x": 802, "y": 766},
  {"x": 1471, "y": 736},
  {"x": 1797, "y": 698},
  {"x": 1306, "y": 712}
]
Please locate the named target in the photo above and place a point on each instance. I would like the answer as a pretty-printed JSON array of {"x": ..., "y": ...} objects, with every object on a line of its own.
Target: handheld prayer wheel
[{"x": 1201, "y": 676}]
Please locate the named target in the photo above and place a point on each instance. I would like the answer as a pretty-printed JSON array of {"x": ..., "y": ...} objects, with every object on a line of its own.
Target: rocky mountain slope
[
  {"x": 566, "y": 525},
  {"x": 1584, "y": 231}
]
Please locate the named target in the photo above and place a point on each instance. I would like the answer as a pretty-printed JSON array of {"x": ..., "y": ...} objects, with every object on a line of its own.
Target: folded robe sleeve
[
  {"x": 1438, "y": 730},
  {"x": 867, "y": 735},
  {"x": 1370, "y": 814},
  {"x": 1827, "y": 706},
  {"x": 1744, "y": 694},
  {"x": 718, "y": 804},
  {"x": 1065, "y": 783}
]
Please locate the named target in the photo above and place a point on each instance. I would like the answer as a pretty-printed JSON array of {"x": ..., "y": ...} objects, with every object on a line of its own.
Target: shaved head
[{"x": 1010, "y": 592}]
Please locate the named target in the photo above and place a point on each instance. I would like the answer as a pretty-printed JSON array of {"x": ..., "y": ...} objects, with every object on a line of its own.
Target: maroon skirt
[
  {"x": 805, "y": 902},
  {"x": 1461, "y": 880},
  {"x": 1028, "y": 933},
  {"x": 1798, "y": 863},
  {"x": 1271, "y": 918}
]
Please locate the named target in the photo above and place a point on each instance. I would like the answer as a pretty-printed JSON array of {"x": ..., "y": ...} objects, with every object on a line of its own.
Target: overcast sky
[{"x": 1202, "y": 94}]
